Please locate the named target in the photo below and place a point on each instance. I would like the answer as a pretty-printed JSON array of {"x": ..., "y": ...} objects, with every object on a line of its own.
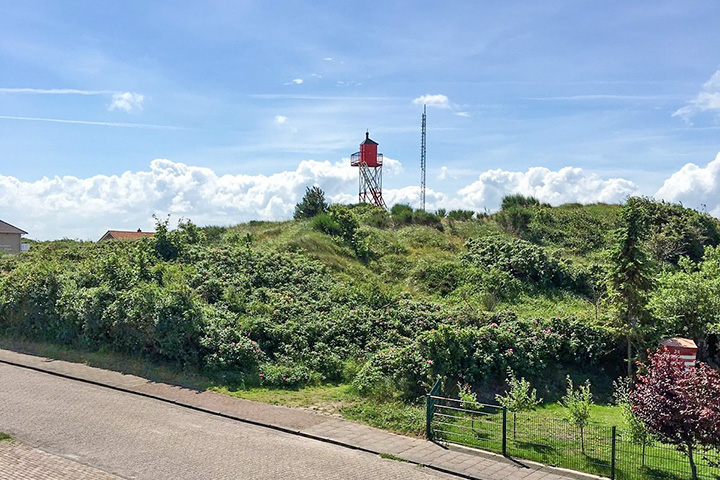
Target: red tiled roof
[
  {"x": 124, "y": 235},
  {"x": 678, "y": 342}
]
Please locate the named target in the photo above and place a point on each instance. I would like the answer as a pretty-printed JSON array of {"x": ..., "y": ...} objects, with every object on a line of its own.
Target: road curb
[{"x": 280, "y": 428}]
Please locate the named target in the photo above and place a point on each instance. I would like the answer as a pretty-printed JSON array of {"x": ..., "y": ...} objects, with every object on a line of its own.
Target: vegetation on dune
[{"x": 383, "y": 301}]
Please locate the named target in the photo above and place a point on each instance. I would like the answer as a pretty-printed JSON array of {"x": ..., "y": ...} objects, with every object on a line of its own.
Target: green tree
[
  {"x": 519, "y": 397},
  {"x": 688, "y": 300},
  {"x": 578, "y": 403},
  {"x": 629, "y": 279},
  {"x": 311, "y": 204}
]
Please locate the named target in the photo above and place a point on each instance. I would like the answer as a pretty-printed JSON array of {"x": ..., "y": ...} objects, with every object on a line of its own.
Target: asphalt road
[{"x": 141, "y": 438}]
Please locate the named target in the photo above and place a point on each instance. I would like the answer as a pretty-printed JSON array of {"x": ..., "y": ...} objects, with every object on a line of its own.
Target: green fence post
[
  {"x": 612, "y": 458},
  {"x": 428, "y": 416},
  {"x": 504, "y": 432},
  {"x": 430, "y": 408}
]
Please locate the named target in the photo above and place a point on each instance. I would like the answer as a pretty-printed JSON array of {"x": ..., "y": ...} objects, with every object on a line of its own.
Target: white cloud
[
  {"x": 56, "y": 91},
  {"x": 462, "y": 114},
  {"x": 694, "y": 186},
  {"x": 89, "y": 122},
  {"x": 707, "y": 100},
  {"x": 280, "y": 119},
  {"x": 443, "y": 173},
  {"x": 439, "y": 101},
  {"x": 328, "y": 59},
  {"x": 86, "y": 207},
  {"x": 298, "y": 81},
  {"x": 567, "y": 185},
  {"x": 411, "y": 196},
  {"x": 126, "y": 101}
]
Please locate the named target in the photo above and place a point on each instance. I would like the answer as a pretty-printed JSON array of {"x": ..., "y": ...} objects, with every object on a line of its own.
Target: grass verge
[
  {"x": 341, "y": 400},
  {"x": 334, "y": 399}
]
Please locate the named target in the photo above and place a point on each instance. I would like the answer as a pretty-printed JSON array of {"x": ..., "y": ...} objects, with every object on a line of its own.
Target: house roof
[
  {"x": 125, "y": 235},
  {"x": 678, "y": 342},
  {"x": 7, "y": 228}
]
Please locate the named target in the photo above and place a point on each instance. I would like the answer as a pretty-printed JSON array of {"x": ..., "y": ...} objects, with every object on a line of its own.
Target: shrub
[
  {"x": 324, "y": 223},
  {"x": 481, "y": 355},
  {"x": 401, "y": 213},
  {"x": 226, "y": 347},
  {"x": 524, "y": 261},
  {"x": 461, "y": 215},
  {"x": 437, "y": 276},
  {"x": 421, "y": 217},
  {"x": 510, "y": 201}
]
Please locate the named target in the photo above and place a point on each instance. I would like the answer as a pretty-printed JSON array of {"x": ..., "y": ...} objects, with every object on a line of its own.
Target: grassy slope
[
  {"x": 399, "y": 251},
  {"x": 574, "y": 232}
]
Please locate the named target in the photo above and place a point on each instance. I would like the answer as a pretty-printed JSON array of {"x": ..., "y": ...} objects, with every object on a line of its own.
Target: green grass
[
  {"x": 606, "y": 415},
  {"x": 390, "y": 456},
  {"x": 341, "y": 399},
  {"x": 4, "y": 437},
  {"x": 546, "y": 436},
  {"x": 550, "y": 304},
  {"x": 111, "y": 361}
]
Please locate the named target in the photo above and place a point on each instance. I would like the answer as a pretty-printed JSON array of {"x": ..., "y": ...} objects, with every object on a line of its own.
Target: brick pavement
[
  {"x": 20, "y": 462},
  {"x": 462, "y": 462}
]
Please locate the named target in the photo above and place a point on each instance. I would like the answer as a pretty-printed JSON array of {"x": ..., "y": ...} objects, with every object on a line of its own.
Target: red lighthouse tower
[{"x": 370, "y": 164}]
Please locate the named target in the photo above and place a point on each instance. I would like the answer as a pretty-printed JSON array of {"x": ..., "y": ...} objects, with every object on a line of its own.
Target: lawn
[{"x": 546, "y": 436}]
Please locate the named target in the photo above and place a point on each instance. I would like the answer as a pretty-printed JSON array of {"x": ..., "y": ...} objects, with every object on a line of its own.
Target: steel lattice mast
[{"x": 422, "y": 161}]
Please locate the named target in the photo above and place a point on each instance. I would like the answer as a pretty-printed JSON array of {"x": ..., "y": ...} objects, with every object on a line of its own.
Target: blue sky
[{"x": 248, "y": 102}]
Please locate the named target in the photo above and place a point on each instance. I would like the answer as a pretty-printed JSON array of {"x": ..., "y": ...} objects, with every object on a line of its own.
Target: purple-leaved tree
[{"x": 679, "y": 405}]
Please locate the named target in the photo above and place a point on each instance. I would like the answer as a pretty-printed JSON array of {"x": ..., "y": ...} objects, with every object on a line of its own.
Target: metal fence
[{"x": 597, "y": 449}]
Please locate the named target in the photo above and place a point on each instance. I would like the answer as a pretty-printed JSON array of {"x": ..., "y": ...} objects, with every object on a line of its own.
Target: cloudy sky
[{"x": 224, "y": 111}]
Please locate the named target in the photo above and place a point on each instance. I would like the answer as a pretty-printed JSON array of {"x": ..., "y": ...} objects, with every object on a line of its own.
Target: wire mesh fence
[
  {"x": 597, "y": 449},
  {"x": 660, "y": 461}
]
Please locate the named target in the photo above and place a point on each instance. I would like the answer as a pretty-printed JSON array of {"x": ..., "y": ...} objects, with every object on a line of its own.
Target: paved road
[{"x": 141, "y": 438}]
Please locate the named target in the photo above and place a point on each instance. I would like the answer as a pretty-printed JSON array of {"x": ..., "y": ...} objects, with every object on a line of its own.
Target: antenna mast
[{"x": 422, "y": 161}]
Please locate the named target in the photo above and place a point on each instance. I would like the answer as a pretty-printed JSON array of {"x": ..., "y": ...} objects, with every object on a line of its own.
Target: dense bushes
[
  {"x": 543, "y": 350},
  {"x": 269, "y": 317},
  {"x": 389, "y": 299},
  {"x": 525, "y": 261}
]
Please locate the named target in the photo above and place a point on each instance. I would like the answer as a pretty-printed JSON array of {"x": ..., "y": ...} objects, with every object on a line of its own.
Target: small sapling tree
[
  {"x": 578, "y": 403},
  {"x": 679, "y": 405},
  {"x": 468, "y": 397},
  {"x": 519, "y": 397},
  {"x": 635, "y": 429}
]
